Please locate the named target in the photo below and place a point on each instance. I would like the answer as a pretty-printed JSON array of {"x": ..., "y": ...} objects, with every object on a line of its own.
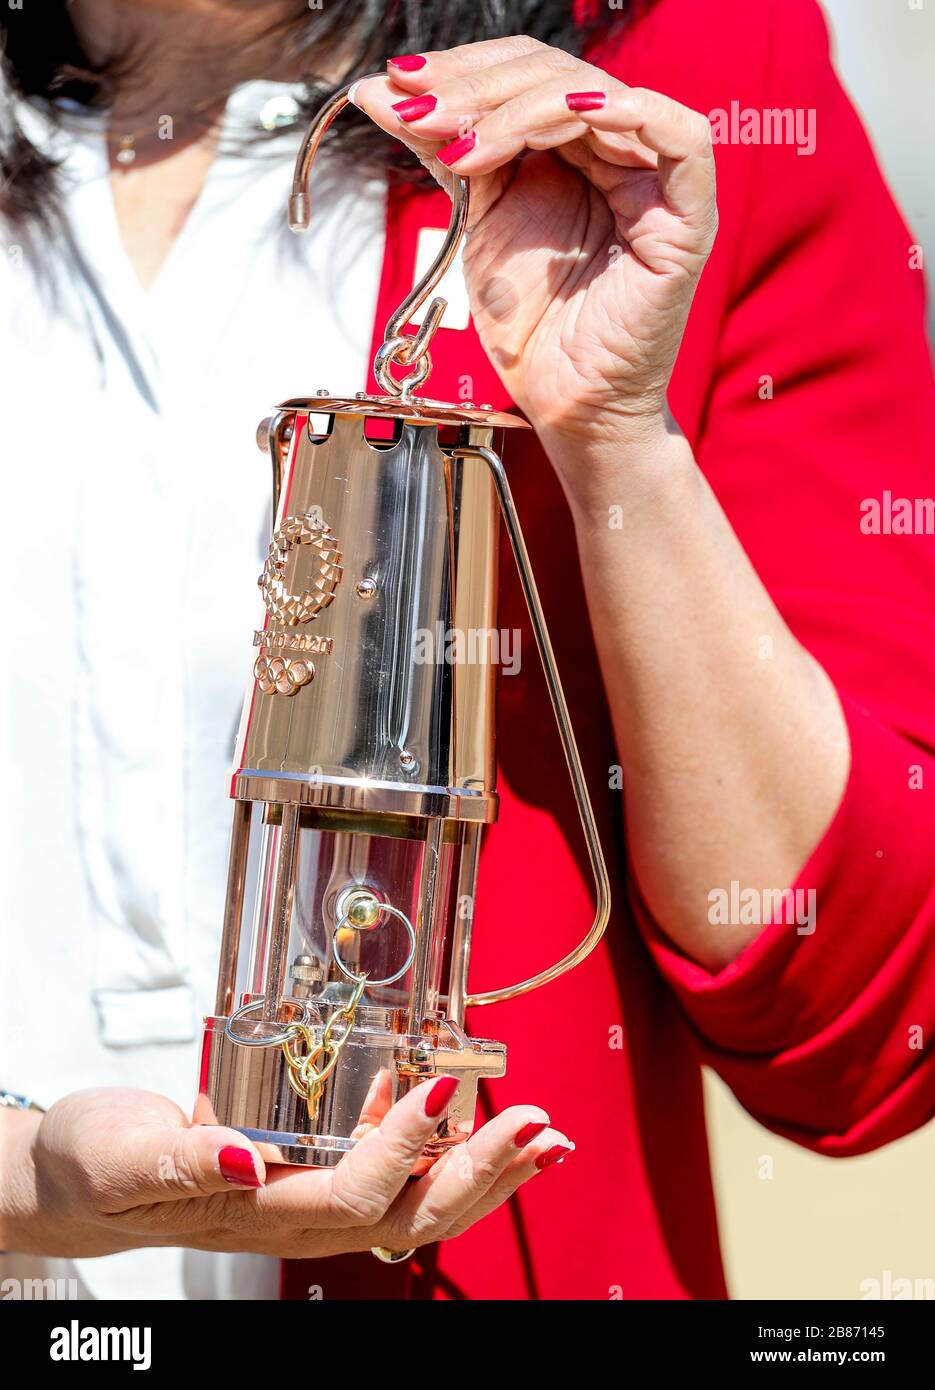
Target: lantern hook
[{"x": 405, "y": 349}]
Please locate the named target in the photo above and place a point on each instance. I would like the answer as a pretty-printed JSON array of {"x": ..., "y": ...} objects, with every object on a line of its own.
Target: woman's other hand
[
  {"x": 592, "y": 215},
  {"x": 108, "y": 1170}
]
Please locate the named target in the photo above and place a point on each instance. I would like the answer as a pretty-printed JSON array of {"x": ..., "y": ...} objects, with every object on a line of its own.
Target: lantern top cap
[{"x": 417, "y": 410}]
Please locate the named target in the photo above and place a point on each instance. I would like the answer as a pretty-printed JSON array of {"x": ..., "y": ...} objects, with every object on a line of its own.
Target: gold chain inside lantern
[{"x": 306, "y": 1077}]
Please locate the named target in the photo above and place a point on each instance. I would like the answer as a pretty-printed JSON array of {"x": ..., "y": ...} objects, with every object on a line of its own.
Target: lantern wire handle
[
  {"x": 569, "y": 746},
  {"x": 406, "y": 349}
]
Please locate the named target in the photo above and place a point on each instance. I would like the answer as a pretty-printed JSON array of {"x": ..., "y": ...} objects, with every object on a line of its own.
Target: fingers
[
  {"x": 664, "y": 125},
  {"x": 376, "y": 1104},
  {"x": 420, "y": 72},
  {"x": 368, "y": 1179},
  {"x": 440, "y": 96},
  {"x": 679, "y": 136},
  {"x": 376, "y": 97},
  {"x": 554, "y": 113},
  {"x": 478, "y": 117},
  {"x": 548, "y": 1151},
  {"x": 465, "y": 84},
  {"x": 472, "y": 1179},
  {"x": 622, "y": 126},
  {"x": 454, "y": 105}
]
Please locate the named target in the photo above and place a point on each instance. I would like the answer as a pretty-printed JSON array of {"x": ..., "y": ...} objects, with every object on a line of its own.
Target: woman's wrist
[
  {"x": 617, "y": 461},
  {"x": 18, "y": 1206}
]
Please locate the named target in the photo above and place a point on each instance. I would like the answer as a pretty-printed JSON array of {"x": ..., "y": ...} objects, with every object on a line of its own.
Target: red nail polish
[
  {"x": 409, "y": 62},
  {"x": 414, "y": 108},
  {"x": 529, "y": 1131},
  {"x": 237, "y": 1167},
  {"x": 458, "y": 148},
  {"x": 438, "y": 1097},
  {"x": 586, "y": 101},
  {"x": 553, "y": 1155}
]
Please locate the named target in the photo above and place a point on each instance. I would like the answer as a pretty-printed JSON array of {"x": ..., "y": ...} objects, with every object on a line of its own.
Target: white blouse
[{"x": 136, "y": 518}]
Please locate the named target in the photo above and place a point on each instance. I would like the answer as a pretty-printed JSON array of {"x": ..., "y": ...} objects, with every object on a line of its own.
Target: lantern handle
[
  {"x": 403, "y": 348},
  {"x": 566, "y": 734}
]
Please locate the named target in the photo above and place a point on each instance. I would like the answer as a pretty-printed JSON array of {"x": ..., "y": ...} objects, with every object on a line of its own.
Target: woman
[{"x": 763, "y": 660}]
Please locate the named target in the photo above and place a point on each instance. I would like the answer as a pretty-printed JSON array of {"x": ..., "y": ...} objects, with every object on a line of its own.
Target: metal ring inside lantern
[{"x": 343, "y": 921}]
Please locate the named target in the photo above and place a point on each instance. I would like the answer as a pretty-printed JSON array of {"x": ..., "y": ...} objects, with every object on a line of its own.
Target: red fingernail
[
  {"x": 458, "y": 148},
  {"x": 529, "y": 1132},
  {"x": 414, "y": 108},
  {"x": 438, "y": 1097},
  {"x": 409, "y": 62},
  {"x": 586, "y": 101},
  {"x": 237, "y": 1167},
  {"x": 554, "y": 1155}
]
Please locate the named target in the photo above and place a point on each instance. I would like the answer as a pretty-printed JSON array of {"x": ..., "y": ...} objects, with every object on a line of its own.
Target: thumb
[{"x": 170, "y": 1164}]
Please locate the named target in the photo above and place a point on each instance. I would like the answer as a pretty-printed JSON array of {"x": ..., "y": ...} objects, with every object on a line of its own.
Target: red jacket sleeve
[{"x": 821, "y": 403}]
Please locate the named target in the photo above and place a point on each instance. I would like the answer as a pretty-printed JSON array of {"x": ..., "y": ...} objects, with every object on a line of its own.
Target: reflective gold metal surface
[{"x": 370, "y": 727}]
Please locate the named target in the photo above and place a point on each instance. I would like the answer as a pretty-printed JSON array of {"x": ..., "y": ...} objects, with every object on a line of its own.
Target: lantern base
[{"x": 246, "y": 1087}]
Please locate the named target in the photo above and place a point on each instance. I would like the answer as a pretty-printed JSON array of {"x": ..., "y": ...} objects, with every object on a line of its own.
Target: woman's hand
[
  {"x": 111, "y": 1170},
  {"x": 582, "y": 257}
]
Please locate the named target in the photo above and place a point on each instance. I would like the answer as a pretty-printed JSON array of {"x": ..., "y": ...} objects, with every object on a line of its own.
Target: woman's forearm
[{"x": 732, "y": 741}]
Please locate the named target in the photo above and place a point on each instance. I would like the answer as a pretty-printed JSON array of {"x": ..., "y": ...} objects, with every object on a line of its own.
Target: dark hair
[{"x": 41, "y": 58}]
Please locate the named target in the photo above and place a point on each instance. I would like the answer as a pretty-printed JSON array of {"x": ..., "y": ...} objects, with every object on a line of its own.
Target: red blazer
[{"x": 812, "y": 284}]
